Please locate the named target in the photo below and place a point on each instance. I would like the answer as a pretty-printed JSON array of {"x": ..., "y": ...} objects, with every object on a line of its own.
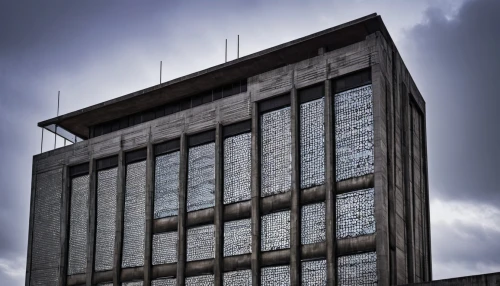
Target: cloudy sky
[{"x": 97, "y": 50}]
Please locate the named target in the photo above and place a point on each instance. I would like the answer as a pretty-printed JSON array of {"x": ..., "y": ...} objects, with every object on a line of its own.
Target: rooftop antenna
[
  {"x": 160, "y": 72},
  {"x": 226, "y": 50},
  {"x": 55, "y": 130},
  {"x": 41, "y": 143},
  {"x": 238, "y": 50}
]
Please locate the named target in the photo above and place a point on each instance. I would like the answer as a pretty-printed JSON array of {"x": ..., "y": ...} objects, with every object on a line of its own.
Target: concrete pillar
[
  {"x": 181, "y": 227},
  {"x": 331, "y": 261},
  {"x": 65, "y": 206},
  {"x": 255, "y": 196},
  {"x": 120, "y": 203},
  {"x": 219, "y": 207},
  {"x": 150, "y": 167},
  {"x": 92, "y": 220},
  {"x": 295, "y": 268}
]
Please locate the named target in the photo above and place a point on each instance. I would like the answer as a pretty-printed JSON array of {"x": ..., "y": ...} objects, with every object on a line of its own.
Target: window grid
[
  {"x": 275, "y": 275},
  {"x": 106, "y": 219},
  {"x": 237, "y": 168},
  {"x": 276, "y": 165},
  {"x": 201, "y": 242},
  {"x": 164, "y": 248},
  {"x": 238, "y": 278},
  {"x": 357, "y": 269},
  {"x": 312, "y": 143},
  {"x": 166, "y": 202},
  {"x": 237, "y": 237},
  {"x": 314, "y": 273},
  {"x": 201, "y": 177},
  {"x": 79, "y": 217},
  {"x": 355, "y": 213},
  {"x": 313, "y": 223},
  {"x": 275, "y": 231}
]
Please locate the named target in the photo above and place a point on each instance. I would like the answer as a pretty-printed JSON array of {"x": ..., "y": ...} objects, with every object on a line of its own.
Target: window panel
[
  {"x": 275, "y": 275},
  {"x": 314, "y": 273},
  {"x": 237, "y": 237},
  {"x": 312, "y": 143},
  {"x": 357, "y": 269},
  {"x": 134, "y": 218},
  {"x": 237, "y": 168},
  {"x": 165, "y": 247},
  {"x": 201, "y": 243},
  {"x": 164, "y": 282},
  {"x": 276, "y": 165},
  {"x": 46, "y": 229},
  {"x": 78, "y": 224},
  {"x": 106, "y": 214},
  {"x": 313, "y": 225},
  {"x": 355, "y": 213},
  {"x": 202, "y": 280},
  {"x": 132, "y": 283},
  {"x": 275, "y": 231},
  {"x": 354, "y": 132},
  {"x": 201, "y": 177},
  {"x": 238, "y": 278},
  {"x": 166, "y": 201}
]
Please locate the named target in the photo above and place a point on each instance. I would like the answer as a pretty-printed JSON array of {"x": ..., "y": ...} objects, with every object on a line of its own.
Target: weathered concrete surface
[{"x": 491, "y": 279}]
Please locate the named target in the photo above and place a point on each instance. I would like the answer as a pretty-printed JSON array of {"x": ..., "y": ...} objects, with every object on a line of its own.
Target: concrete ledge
[{"x": 491, "y": 279}]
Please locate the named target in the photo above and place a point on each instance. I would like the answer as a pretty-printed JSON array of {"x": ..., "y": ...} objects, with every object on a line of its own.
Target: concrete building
[{"x": 302, "y": 164}]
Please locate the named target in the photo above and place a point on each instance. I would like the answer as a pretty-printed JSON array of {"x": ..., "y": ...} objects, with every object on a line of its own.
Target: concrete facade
[{"x": 400, "y": 241}]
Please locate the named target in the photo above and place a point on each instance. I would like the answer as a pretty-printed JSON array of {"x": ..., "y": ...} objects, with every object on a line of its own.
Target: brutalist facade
[{"x": 303, "y": 164}]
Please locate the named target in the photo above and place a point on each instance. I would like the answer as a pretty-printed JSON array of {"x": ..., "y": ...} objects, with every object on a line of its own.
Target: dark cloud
[{"x": 456, "y": 66}]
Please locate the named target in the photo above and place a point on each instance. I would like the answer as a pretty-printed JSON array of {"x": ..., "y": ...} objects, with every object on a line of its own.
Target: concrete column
[
  {"x": 181, "y": 227},
  {"x": 255, "y": 196},
  {"x": 92, "y": 221},
  {"x": 331, "y": 260},
  {"x": 65, "y": 205},
  {"x": 120, "y": 202},
  {"x": 219, "y": 207},
  {"x": 30, "y": 229},
  {"x": 295, "y": 268},
  {"x": 150, "y": 168}
]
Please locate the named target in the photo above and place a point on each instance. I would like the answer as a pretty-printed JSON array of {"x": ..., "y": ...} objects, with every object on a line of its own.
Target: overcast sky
[{"x": 97, "y": 50}]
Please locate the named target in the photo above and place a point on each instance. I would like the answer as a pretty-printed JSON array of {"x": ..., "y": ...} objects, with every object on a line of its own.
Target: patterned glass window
[
  {"x": 132, "y": 283},
  {"x": 106, "y": 217},
  {"x": 355, "y": 213},
  {"x": 314, "y": 273},
  {"x": 357, "y": 269},
  {"x": 166, "y": 201},
  {"x": 275, "y": 231},
  {"x": 237, "y": 237},
  {"x": 276, "y": 165},
  {"x": 78, "y": 222},
  {"x": 105, "y": 284},
  {"x": 201, "y": 242},
  {"x": 201, "y": 177},
  {"x": 46, "y": 229},
  {"x": 313, "y": 224},
  {"x": 312, "y": 143},
  {"x": 202, "y": 280},
  {"x": 237, "y": 168},
  {"x": 134, "y": 224},
  {"x": 275, "y": 275},
  {"x": 164, "y": 282},
  {"x": 238, "y": 278},
  {"x": 164, "y": 247},
  {"x": 354, "y": 132}
]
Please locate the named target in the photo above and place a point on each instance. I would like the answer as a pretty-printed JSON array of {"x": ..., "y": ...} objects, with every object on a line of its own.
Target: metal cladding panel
[
  {"x": 275, "y": 231},
  {"x": 357, "y": 269},
  {"x": 165, "y": 247},
  {"x": 46, "y": 247},
  {"x": 314, "y": 273},
  {"x": 164, "y": 282},
  {"x": 237, "y": 168},
  {"x": 78, "y": 225},
  {"x": 202, "y": 280},
  {"x": 201, "y": 177},
  {"x": 237, "y": 237},
  {"x": 276, "y": 157},
  {"x": 313, "y": 224},
  {"x": 312, "y": 143},
  {"x": 106, "y": 219},
  {"x": 166, "y": 202},
  {"x": 132, "y": 283},
  {"x": 134, "y": 217},
  {"x": 354, "y": 132},
  {"x": 201, "y": 242},
  {"x": 355, "y": 213},
  {"x": 275, "y": 275},
  {"x": 238, "y": 278}
]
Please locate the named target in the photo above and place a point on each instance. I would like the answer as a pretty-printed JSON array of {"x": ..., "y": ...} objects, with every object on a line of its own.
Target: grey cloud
[{"x": 456, "y": 65}]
